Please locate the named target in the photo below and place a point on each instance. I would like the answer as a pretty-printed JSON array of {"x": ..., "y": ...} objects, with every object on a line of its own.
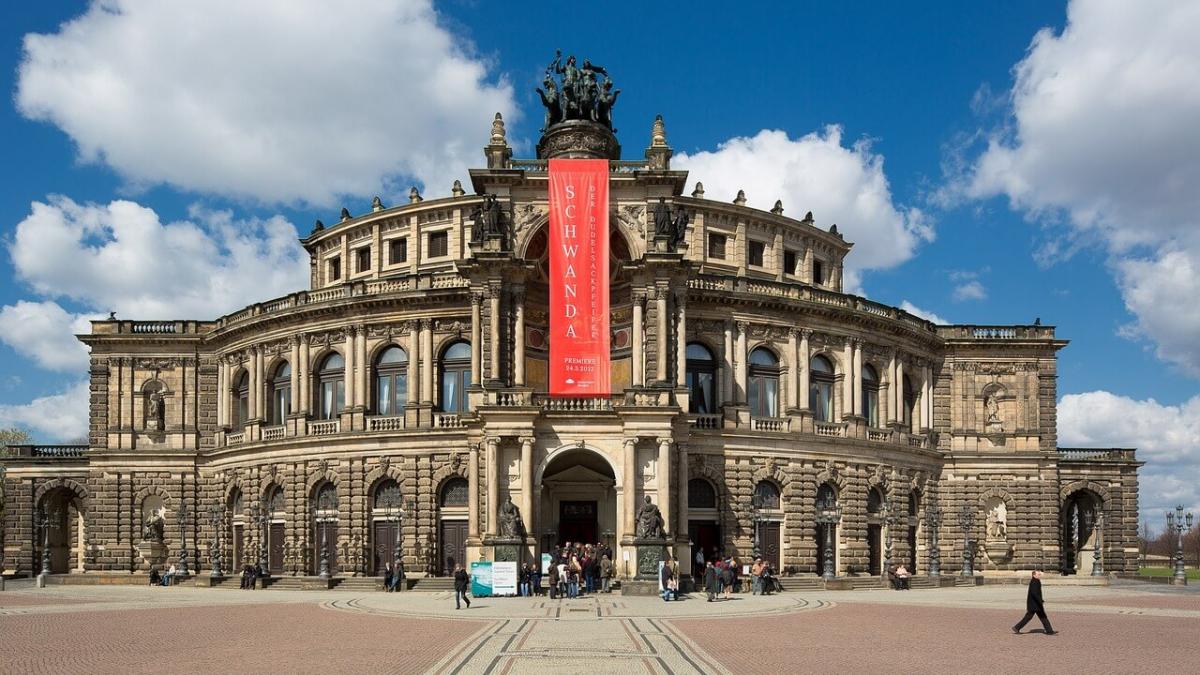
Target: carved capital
[{"x": 742, "y": 326}]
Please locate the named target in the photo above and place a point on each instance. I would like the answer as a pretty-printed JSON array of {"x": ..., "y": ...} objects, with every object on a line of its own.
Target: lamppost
[
  {"x": 1098, "y": 553},
  {"x": 216, "y": 518},
  {"x": 49, "y": 521},
  {"x": 185, "y": 519},
  {"x": 829, "y": 513},
  {"x": 966, "y": 521},
  {"x": 262, "y": 516},
  {"x": 888, "y": 521},
  {"x": 756, "y": 506},
  {"x": 1176, "y": 521},
  {"x": 326, "y": 503},
  {"x": 933, "y": 520}
]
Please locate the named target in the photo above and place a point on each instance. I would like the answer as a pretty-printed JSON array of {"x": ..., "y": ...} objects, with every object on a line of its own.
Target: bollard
[{"x": 41, "y": 581}]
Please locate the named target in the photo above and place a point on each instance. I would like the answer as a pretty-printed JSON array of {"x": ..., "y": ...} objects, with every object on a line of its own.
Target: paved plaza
[{"x": 1126, "y": 628}]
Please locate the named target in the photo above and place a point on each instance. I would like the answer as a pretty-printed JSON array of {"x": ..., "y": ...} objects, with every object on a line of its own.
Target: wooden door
[
  {"x": 275, "y": 548},
  {"x": 769, "y": 544},
  {"x": 873, "y": 550},
  {"x": 912, "y": 549},
  {"x": 383, "y": 545},
  {"x": 453, "y": 543},
  {"x": 239, "y": 547}
]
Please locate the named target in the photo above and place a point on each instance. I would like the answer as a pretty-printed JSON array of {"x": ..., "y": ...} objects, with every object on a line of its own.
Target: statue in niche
[
  {"x": 155, "y": 408},
  {"x": 997, "y": 522},
  {"x": 669, "y": 225},
  {"x": 510, "y": 521},
  {"x": 650, "y": 521},
  {"x": 488, "y": 222},
  {"x": 155, "y": 527},
  {"x": 992, "y": 406}
]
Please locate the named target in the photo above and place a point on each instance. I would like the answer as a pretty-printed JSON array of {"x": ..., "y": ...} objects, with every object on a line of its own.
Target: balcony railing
[
  {"x": 324, "y": 428},
  {"x": 48, "y": 451},
  {"x": 879, "y": 435},
  {"x": 447, "y": 421},
  {"x": 918, "y": 441},
  {"x": 831, "y": 429},
  {"x": 385, "y": 423},
  {"x": 770, "y": 423},
  {"x": 706, "y": 421},
  {"x": 274, "y": 433},
  {"x": 236, "y": 438},
  {"x": 573, "y": 404},
  {"x": 1096, "y": 454}
]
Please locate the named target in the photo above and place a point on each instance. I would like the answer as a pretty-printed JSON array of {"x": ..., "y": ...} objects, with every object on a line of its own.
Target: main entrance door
[
  {"x": 454, "y": 545},
  {"x": 875, "y": 561},
  {"x": 577, "y": 522},
  {"x": 706, "y": 539},
  {"x": 275, "y": 542},
  {"x": 384, "y": 549},
  {"x": 769, "y": 544}
]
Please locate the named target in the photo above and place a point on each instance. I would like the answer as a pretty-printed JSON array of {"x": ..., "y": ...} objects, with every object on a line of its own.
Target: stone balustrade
[
  {"x": 324, "y": 428},
  {"x": 385, "y": 423}
]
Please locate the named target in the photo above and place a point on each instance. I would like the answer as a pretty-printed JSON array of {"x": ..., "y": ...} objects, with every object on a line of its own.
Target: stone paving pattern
[{"x": 1127, "y": 628}]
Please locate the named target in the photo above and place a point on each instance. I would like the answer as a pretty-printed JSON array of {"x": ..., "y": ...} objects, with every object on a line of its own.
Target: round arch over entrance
[
  {"x": 1081, "y": 530},
  {"x": 578, "y": 497}
]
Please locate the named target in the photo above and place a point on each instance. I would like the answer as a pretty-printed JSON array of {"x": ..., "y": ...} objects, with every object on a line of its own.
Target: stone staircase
[
  {"x": 431, "y": 584},
  {"x": 359, "y": 584}
]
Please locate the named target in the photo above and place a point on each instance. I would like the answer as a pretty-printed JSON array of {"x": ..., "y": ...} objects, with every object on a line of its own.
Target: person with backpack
[{"x": 462, "y": 583}]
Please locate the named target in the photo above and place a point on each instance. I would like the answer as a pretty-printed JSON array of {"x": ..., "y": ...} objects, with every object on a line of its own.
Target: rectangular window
[
  {"x": 335, "y": 269},
  {"x": 398, "y": 251},
  {"x": 789, "y": 262},
  {"x": 818, "y": 272},
  {"x": 438, "y": 244},
  {"x": 716, "y": 246},
  {"x": 362, "y": 259},
  {"x": 754, "y": 255}
]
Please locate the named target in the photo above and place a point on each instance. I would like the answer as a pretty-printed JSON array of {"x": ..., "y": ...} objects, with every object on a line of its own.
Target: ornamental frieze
[
  {"x": 633, "y": 217},
  {"x": 327, "y": 338},
  {"x": 526, "y": 215}
]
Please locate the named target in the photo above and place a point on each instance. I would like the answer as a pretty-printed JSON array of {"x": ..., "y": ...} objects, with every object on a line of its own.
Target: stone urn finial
[
  {"x": 498, "y": 133},
  {"x": 658, "y": 133}
]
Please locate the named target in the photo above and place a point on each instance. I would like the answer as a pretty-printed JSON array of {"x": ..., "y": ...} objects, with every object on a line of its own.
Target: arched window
[
  {"x": 701, "y": 494},
  {"x": 387, "y": 497},
  {"x": 281, "y": 394},
  {"x": 870, "y": 394},
  {"x": 701, "y": 376},
  {"x": 763, "y": 384},
  {"x": 826, "y": 495},
  {"x": 913, "y": 503},
  {"x": 910, "y": 402},
  {"x": 242, "y": 391},
  {"x": 874, "y": 502},
  {"x": 391, "y": 381},
  {"x": 456, "y": 377},
  {"x": 331, "y": 387},
  {"x": 274, "y": 502},
  {"x": 455, "y": 492},
  {"x": 767, "y": 494},
  {"x": 821, "y": 389}
]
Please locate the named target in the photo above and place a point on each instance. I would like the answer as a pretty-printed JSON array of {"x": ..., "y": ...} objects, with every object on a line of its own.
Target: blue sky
[{"x": 986, "y": 174}]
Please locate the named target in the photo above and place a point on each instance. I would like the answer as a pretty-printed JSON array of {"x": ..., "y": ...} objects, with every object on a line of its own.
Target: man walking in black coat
[
  {"x": 462, "y": 582},
  {"x": 1034, "y": 605}
]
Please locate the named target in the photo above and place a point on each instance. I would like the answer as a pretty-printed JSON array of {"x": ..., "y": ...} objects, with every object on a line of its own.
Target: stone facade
[{"x": 718, "y": 356}]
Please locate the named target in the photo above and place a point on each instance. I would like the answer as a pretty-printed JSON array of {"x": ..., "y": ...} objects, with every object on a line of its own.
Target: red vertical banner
[{"x": 579, "y": 357}]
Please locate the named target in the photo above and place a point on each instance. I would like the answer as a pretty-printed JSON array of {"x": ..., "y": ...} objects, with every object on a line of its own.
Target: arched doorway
[
  {"x": 276, "y": 527},
  {"x": 237, "y": 531},
  {"x": 61, "y": 531},
  {"x": 452, "y": 524},
  {"x": 826, "y": 506},
  {"x": 769, "y": 506},
  {"x": 325, "y": 527},
  {"x": 578, "y": 499},
  {"x": 874, "y": 531},
  {"x": 704, "y": 523},
  {"x": 386, "y": 508},
  {"x": 1080, "y": 532}
]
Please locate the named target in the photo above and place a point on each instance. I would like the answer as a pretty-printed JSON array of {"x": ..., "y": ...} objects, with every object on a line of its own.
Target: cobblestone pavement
[{"x": 1121, "y": 629}]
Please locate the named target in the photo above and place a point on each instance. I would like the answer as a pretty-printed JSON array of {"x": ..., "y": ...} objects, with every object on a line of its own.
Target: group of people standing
[
  {"x": 720, "y": 577},
  {"x": 577, "y": 569},
  {"x": 393, "y": 576}
]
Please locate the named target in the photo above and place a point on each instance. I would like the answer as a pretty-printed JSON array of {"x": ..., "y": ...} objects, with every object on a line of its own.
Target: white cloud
[
  {"x": 1103, "y": 137},
  {"x": 269, "y": 100},
  {"x": 58, "y": 417},
  {"x": 924, "y": 314},
  {"x": 972, "y": 290},
  {"x": 1167, "y": 438},
  {"x": 121, "y": 257},
  {"x": 46, "y": 332},
  {"x": 841, "y": 184}
]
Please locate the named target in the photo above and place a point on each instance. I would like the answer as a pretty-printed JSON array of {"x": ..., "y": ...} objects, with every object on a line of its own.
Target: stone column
[
  {"x": 848, "y": 379},
  {"x": 858, "y": 404},
  {"x": 793, "y": 381},
  {"x": 493, "y": 483},
  {"x": 519, "y": 338},
  {"x": 350, "y": 356},
  {"x": 681, "y": 339},
  {"x": 361, "y": 367},
  {"x": 293, "y": 360},
  {"x": 473, "y": 493},
  {"x": 639, "y": 349},
  {"x": 805, "y": 358},
  {"x": 807, "y": 272},
  {"x": 662, "y": 479},
  {"x": 927, "y": 397},
  {"x": 681, "y": 486},
  {"x": 662, "y": 339},
  {"x": 727, "y": 395},
  {"x": 527, "y": 483},
  {"x": 629, "y": 485},
  {"x": 413, "y": 394},
  {"x": 494, "y": 339},
  {"x": 476, "y": 339},
  {"x": 900, "y": 391},
  {"x": 740, "y": 355},
  {"x": 222, "y": 392},
  {"x": 891, "y": 416},
  {"x": 260, "y": 384},
  {"x": 427, "y": 366},
  {"x": 305, "y": 379}
]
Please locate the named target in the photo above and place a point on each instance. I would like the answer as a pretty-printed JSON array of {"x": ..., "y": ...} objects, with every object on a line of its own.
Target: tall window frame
[
  {"x": 280, "y": 394},
  {"x": 870, "y": 394},
  {"x": 331, "y": 386},
  {"x": 241, "y": 393},
  {"x": 820, "y": 385},
  {"x": 454, "y": 374},
  {"x": 762, "y": 383},
  {"x": 701, "y": 379},
  {"x": 909, "y": 395},
  {"x": 391, "y": 381}
]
